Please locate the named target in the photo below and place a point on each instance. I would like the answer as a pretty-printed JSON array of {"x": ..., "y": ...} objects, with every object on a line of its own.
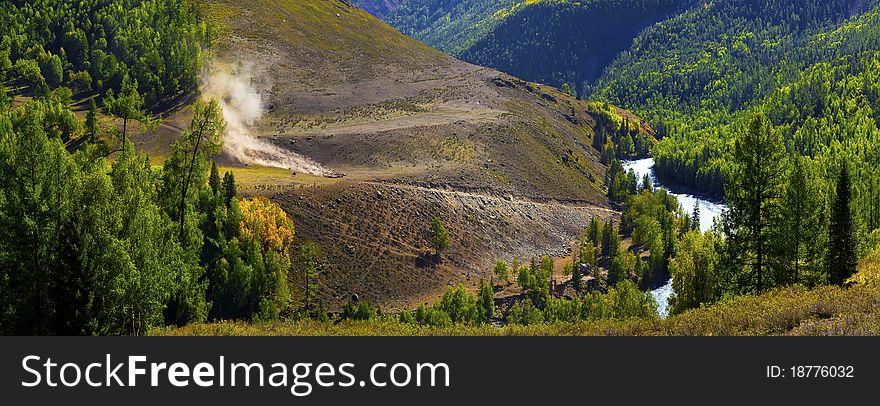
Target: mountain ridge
[{"x": 546, "y": 41}]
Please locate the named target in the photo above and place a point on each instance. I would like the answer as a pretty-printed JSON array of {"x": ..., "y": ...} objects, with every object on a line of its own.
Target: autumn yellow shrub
[{"x": 265, "y": 221}]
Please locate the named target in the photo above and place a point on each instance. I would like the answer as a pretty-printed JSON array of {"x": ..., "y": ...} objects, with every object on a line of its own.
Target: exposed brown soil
[{"x": 372, "y": 236}]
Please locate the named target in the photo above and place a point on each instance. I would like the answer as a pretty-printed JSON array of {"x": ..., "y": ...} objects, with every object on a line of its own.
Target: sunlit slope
[
  {"x": 507, "y": 164},
  {"x": 327, "y": 41},
  {"x": 357, "y": 95}
]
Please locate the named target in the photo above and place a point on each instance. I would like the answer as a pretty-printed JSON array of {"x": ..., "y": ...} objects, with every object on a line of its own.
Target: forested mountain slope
[
  {"x": 548, "y": 41},
  {"x": 810, "y": 66},
  {"x": 557, "y": 42},
  {"x": 378, "y": 8},
  {"x": 719, "y": 58},
  {"x": 448, "y": 25}
]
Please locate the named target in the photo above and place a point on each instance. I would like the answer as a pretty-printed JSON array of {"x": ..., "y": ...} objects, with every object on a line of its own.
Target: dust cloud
[{"x": 242, "y": 107}]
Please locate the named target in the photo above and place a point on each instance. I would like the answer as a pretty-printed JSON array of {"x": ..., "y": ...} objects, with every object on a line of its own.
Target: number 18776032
[{"x": 811, "y": 371}]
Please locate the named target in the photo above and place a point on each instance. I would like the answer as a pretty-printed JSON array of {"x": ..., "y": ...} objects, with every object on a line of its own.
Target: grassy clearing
[
  {"x": 326, "y": 28},
  {"x": 255, "y": 178}
]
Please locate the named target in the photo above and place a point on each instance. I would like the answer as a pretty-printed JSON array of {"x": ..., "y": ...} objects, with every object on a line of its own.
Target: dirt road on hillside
[{"x": 508, "y": 199}]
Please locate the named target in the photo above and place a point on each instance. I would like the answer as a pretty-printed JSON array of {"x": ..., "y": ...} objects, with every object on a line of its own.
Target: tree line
[
  {"x": 90, "y": 245},
  {"x": 785, "y": 226}
]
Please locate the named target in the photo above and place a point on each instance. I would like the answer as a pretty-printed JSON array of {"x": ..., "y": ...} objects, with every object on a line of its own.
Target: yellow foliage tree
[
  {"x": 265, "y": 221},
  {"x": 266, "y": 228}
]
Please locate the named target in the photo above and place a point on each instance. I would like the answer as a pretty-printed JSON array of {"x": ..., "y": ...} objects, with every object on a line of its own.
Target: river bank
[{"x": 709, "y": 211}]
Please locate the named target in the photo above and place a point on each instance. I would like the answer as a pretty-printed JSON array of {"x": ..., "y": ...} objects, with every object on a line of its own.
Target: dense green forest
[
  {"x": 786, "y": 225},
  {"x": 547, "y": 41},
  {"x": 558, "y": 42},
  {"x": 810, "y": 67},
  {"x": 90, "y": 245},
  {"x": 448, "y": 25},
  {"x": 92, "y": 45}
]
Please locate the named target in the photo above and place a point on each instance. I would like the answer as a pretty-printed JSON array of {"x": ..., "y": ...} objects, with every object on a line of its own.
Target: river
[{"x": 709, "y": 211}]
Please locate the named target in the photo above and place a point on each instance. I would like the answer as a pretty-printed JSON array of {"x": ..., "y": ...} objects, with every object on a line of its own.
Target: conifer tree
[
  {"x": 800, "y": 239},
  {"x": 438, "y": 237},
  {"x": 128, "y": 105},
  {"x": 594, "y": 232},
  {"x": 308, "y": 259},
  {"x": 842, "y": 258},
  {"x": 486, "y": 302},
  {"x": 610, "y": 241},
  {"x": 501, "y": 272},
  {"x": 753, "y": 191},
  {"x": 203, "y": 139},
  {"x": 214, "y": 179},
  {"x": 229, "y": 188},
  {"x": 647, "y": 183},
  {"x": 695, "y": 217},
  {"x": 92, "y": 121}
]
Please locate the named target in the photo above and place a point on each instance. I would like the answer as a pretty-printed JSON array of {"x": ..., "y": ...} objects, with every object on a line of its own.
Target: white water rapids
[{"x": 709, "y": 211}]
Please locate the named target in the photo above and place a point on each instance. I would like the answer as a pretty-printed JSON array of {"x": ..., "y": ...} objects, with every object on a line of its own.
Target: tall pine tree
[
  {"x": 214, "y": 179},
  {"x": 92, "y": 121},
  {"x": 309, "y": 254},
  {"x": 800, "y": 237},
  {"x": 610, "y": 241},
  {"x": 127, "y": 105},
  {"x": 842, "y": 245},
  {"x": 753, "y": 191}
]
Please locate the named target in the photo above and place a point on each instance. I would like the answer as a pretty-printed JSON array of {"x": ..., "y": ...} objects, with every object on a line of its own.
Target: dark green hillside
[
  {"x": 448, "y": 25},
  {"x": 720, "y": 57},
  {"x": 557, "y": 42},
  {"x": 548, "y": 41},
  {"x": 378, "y": 8}
]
